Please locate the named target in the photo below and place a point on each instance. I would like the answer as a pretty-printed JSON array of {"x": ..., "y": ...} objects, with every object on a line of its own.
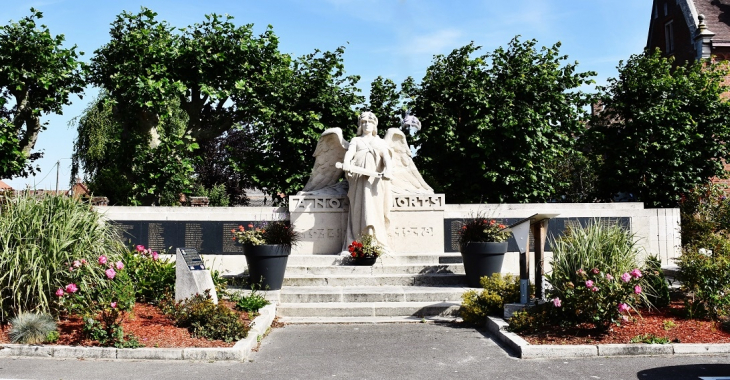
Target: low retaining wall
[{"x": 419, "y": 224}]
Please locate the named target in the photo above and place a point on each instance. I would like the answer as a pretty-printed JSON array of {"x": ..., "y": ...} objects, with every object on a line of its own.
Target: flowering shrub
[
  {"x": 101, "y": 293},
  {"x": 205, "y": 319},
  {"x": 366, "y": 247},
  {"x": 706, "y": 283},
  {"x": 278, "y": 232},
  {"x": 482, "y": 230},
  {"x": 153, "y": 276},
  {"x": 599, "y": 297}
]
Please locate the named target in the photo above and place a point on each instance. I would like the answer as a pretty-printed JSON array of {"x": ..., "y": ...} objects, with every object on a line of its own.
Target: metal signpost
[{"x": 521, "y": 231}]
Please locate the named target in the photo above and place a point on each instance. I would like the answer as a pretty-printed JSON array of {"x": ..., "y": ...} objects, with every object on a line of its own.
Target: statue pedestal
[{"x": 416, "y": 223}]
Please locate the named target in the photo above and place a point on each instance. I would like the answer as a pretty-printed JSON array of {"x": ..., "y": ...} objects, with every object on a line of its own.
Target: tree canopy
[
  {"x": 501, "y": 119},
  {"x": 37, "y": 76},
  {"x": 663, "y": 129}
]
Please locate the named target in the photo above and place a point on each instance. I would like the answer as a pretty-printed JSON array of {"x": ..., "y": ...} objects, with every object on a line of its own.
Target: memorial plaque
[
  {"x": 556, "y": 228},
  {"x": 192, "y": 259},
  {"x": 207, "y": 237}
]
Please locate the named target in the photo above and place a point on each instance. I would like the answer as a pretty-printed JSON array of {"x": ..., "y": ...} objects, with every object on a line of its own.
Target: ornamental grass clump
[
  {"x": 32, "y": 328},
  {"x": 40, "y": 237},
  {"x": 595, "y": 276}
]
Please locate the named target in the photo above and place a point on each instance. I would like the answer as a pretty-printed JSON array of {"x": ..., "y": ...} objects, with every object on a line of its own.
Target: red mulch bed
[
  {"x": 667, "y": 322},
  {"x": 146, "y": 322}
]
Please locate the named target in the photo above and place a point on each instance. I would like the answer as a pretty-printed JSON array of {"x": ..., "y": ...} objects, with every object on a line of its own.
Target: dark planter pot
[
  {"x": 482, "y": 259},
  {"x": 364, "y": 261},
  {"x": 266, "y": 264}
]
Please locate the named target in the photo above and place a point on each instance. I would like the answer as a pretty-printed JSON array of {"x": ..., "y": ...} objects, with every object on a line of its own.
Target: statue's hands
[
  {"x": 346, "y": 167},
  {"x": 386, "y": 174}
]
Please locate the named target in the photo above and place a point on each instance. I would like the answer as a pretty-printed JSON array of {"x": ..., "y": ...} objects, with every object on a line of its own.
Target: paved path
[{"x": 385, "y": 351}]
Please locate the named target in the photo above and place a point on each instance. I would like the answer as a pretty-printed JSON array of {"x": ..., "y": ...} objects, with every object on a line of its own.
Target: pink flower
[
  {"x": 580, "y": 272},
  {"x": 155, "y": 255},
  {"x": 595, "y": 271},
  {"x": 102, "y": 260},
  {"x": 113, "y": 305},
  {"x": 59, "y": 292},
  {"x": 120, "y": 265},
  {"x": 557, "y": 302},
  {"x": 70, "y": 288},
  {"x": 589, "y": 284},
  {"x": 83, "y": 261},
  {"x": 77, "y": 263},
  {"x": 140, "y": 248},
  {"x": 637, "y": 289},
  {"x": 636, "y": 273},
  {"x": 609, "y": 277},
  {"x": 625, "y": 277},
  {"x": 595, "y": 289},
  {"x": 110, "y": 273},
  {"x": 622, "y": 307}
]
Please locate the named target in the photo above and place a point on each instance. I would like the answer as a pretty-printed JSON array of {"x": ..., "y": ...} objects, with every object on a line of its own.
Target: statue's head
[{"x": 367, "y": 118}]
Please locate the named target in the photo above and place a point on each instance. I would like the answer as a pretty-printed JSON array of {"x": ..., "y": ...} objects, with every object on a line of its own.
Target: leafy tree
[
  {"x": 314, "y": 94},
  {"x": 386, "y": 103},
  {"x": 663, "y": 129},
  {"x": 501, "y": 118},
  {"x": 37, "y": 75}
]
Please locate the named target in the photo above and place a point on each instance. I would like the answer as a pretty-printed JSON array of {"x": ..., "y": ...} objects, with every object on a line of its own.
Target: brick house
[{"x": 689, "y": 30}]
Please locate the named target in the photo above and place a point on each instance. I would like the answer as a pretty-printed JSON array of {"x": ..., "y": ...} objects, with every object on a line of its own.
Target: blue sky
[{"x": 391, "y": 38}]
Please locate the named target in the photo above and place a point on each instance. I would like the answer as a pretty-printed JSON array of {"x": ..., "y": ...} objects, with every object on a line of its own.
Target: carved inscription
[
  {"x": 321, "y": 233},
  {"x": 193, "y": 235},
  {"x": 156, "y": 237},
  {"x": 412, "y": 231},
  {"x": 418, "y": 202},
  {"x": 319, "y": 203},
  {"x": 228, "y": 243}
]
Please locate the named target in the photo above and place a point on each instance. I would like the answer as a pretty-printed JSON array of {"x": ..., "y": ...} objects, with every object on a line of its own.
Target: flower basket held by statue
[
  {"x": 267, "y": 248},
  {"x": 483, "y": 244}
]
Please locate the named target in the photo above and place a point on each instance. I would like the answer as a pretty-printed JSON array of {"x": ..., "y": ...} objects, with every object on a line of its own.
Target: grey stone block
[
  {"x": 558, "y": 351},
  {"x": 150, "y": 353},
  {"x": 85, "y": 352},
  {"x": 634, "y": 349},
  {"x": 217, "y": 354},
  {"x": 701, "y": 348}
]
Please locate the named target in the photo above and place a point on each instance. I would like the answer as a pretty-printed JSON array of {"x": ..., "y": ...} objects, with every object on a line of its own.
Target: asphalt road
[{"x": 397, "y": 351}]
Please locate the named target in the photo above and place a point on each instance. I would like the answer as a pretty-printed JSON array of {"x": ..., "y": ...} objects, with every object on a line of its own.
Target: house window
[
  {"x": 669, "y": 37},
  {"x": 666, "y": 9}
]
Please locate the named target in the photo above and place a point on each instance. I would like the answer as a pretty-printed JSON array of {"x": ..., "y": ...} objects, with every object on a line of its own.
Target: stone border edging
[
  {"x": 525, "y": 350},
  {"x": 239, "y": 352}
]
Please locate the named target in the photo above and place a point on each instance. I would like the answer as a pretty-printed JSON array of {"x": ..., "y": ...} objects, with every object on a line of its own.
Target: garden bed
[
  {"x": 667, "y": 322},
  {"x": 146, "y": 322}
]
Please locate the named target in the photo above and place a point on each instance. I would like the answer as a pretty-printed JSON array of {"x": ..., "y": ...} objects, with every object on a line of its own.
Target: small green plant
[
  {"x": 530, "y": 320},
  {"x": 31, "y": 328},
  {"x": 650, "y": 339},
  {"x": 207, "y": 320},
  {"x": 53, "y": 336},
  {"x": 151, "y": 275},
  {"x": 498, "y": 290},
  {"x": 251, "y": 303},
  {"x": 668, "y": 324}
]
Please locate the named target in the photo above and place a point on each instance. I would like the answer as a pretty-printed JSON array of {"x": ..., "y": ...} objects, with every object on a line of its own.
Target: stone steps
[
  {"x": 367, "y": 309},
  {"x": 389, "y": 279},
  {"x": 330, "y": 294},
  {"x": 406, "y": 259},
  {"x": 376, "y": 269}
]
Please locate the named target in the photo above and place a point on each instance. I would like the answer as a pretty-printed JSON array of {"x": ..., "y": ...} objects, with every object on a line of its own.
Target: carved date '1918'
[
  {"x": 322, "y": 233},
  {"x": 413, "y": 231}
]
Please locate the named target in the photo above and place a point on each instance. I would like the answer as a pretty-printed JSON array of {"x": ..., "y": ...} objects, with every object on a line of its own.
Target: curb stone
[
  {"x": 239, "y": 352},
  {"x": 498, "y": 327}
]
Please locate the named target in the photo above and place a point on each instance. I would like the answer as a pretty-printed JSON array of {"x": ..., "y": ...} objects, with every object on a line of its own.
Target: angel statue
[{"x": 375, "y": 168}]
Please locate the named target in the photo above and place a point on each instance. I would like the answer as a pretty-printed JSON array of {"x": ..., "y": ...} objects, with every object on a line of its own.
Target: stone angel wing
[
  {"x": 405, "y": 178},
  {"x": 331, "y": 148}
]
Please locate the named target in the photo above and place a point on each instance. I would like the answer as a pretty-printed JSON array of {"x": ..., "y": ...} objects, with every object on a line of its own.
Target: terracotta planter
[
  {"x": 267, "y": 264},
  {"x": 482, "y": 259}
]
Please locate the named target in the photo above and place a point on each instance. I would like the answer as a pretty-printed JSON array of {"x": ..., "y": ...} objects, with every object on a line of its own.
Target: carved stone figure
[{"x": 375, "y": 168}]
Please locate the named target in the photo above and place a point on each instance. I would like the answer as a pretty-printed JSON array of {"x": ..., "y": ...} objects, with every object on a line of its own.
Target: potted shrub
[
  {"x": 267, "y": 248},
  {"x": 364, "y": 251},
  {"x": 482, "y": 243}
]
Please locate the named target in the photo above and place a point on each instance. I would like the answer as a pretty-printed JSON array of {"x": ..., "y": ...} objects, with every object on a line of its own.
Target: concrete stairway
[{"x": 320, "y": 289}]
